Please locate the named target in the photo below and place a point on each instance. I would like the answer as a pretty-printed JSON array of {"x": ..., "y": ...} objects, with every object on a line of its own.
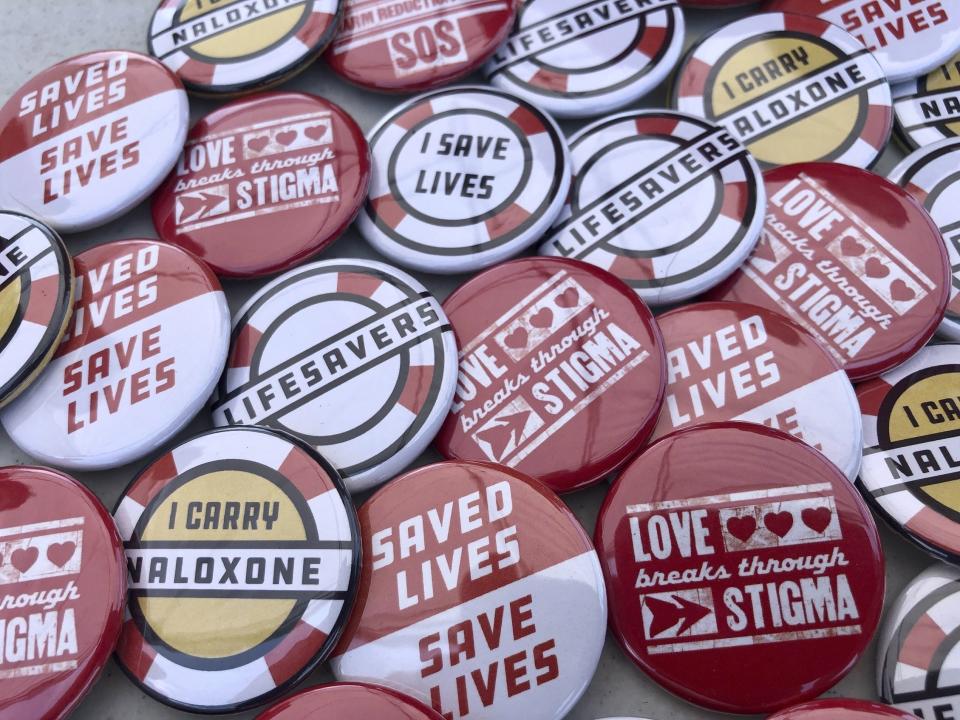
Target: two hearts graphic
[
  {"x": 874, "y": 268},
  {"x": 286, "y": 137},
  {"x": 543, "y": 318},
  {"x": 779, "y": 523},
  {"x": 57, "y": 553}
]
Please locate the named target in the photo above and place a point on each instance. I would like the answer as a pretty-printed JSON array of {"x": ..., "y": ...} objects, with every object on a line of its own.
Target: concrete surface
[{"x": 36, "y": 34}]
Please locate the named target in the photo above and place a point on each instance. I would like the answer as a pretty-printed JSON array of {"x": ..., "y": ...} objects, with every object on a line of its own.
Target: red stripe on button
[
  {"x": 919, "y": 194},
  {"x": 296, "y": 651},
  {"x": 652, "y": 41},
  {"x": 305, "y": 473},
  {"x": 314, "y": 29},
  {"x": 933, "y": 527},
  {"x": 358, "y": 284},
  {"x": 136, "y": 654},
  {"x": 388, "y": 210},
  {"x": 506, "y": 221},
  {"x": 735, "y": 197},
  {"x": 244, "y": 345},
  {"x": 527, "y": 121},
  {"x": 921, "y": 643},
  {"x": 153, "y": 479},
  {"x": 44, "y": 295},
  {"x": 693, "y": 80},
  {"x": 196, "y": 72},
  {"x": 417, "y": 387},
  {"x": 550, "y": 80},
  {"x": 632, "y": 268},
  {"x": 871, "y": 394},
  {"x": 413, "y": 116},
  {"x": 876, "y": 129},
  {"x": 656, "y": 125}
]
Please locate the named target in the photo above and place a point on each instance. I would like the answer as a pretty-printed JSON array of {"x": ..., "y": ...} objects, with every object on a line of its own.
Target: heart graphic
[
  {"x": 817, "y": 519},
  {"x": 517, "y": 339},
  {"x": 315, "y": 132},
  {"x": 901, "y": 292},
  {"x": 851, "y": 248},
  {"x": 742, "y": 527},
  {"x": 568, "y": 298},
  {"x": 778, "y": 523},
  {"x": 542, "y": 319},
  {"x": 286, "y": 137},
  {"x": 60, "y": 553},
  {"x": 258, "y": 143},
  {"x": 876, "y": 269},
  {"x": 24, "y": 559}
]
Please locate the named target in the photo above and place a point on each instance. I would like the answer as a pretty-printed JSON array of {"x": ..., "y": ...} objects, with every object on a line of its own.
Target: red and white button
[
  {"x": 143, "y": 351},
  {"x": 87, "y": 139},
  {"x": 842, "y": 709},
  {"x": 62, "y": 582},
  {"x": 735, "y": 551},
  {"x": 264, "y": 183},
  {"x": 474, "y": 576},
  {"x": 561, "y": 371},
  {"x": 730, "y": 361},
  {"x": 350, "y": 701},
  {"x": 852, "y": 258},
  {"x": 410, "y": 46}
]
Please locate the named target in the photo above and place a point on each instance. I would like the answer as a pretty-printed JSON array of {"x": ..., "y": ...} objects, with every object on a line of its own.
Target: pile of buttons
[{"x": 725, "y": 331}]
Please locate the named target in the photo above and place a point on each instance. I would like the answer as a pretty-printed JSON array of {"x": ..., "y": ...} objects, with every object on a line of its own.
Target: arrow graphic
[
  {"x": 507, "y": 429},
  {"x": 667, "y": 614},
  {"x": 197, "y": 205}
]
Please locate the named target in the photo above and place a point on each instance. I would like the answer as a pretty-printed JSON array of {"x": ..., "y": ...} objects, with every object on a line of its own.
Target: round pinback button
[
  {"x": 792, "y": 88},
  {"x": 842, "y": 709},
  {"x": 411, "y": 46},
  {"x": 243, "y": 558},
  {"x": 667, "y": 202},
  {"x": 36, "y": 300},
  {"x": 350, "y": 701},
  {"x": 61, "y": 592},
  {"x": 732, "y": 550},
  {"x": 852, "y": 258},
  {"x": 87, "y": 139},
  {"x": 561, "y": 371},
  {"x": 576, "y": 59},
  {"x": 264, "y": 183},
  {"x": 353, "y": 356},
  {"x": 927, "y": 108},
  {"x": 143, "y": 350},
  {"x": 917, "y": 662},
  {"x": 475, "y": 577},
  {"x": 932, "y": 175},
  {"x": 730, "y": 361},
  {"x": 907, "y": 38},
  {"x": 224, "y": 47},
  {"x": 462, "y": 179},
  {"x": 911, "y": 448}
]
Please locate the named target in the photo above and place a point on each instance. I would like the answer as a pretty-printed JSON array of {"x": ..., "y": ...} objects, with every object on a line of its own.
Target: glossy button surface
[
  {"x": 87, "y": 139},
  {"x": 927, "y": 108},
  {"x": 917, "y": 661},
  {"x": 243, "y": 560},
  {"x": 730, "y": 361},
  {"x": 911, "y": 441},
  {"x": 792, "y": 88},
  {"x": 930, "y": 175},
  {"x": 669, "y": 203},
  {"x": 353, "y": 356},
  {"x": 842, "y": 709},
  {"x": 851, "y": 257},
  {"x": 36, "y": 300},
  {"x": 62, "y": 583},
  {"x": 734, "y": 551},
  {"x": 561, "y": 371},
  {"x": 144, "y": 348},
  {"x": 473, "y": 579},
  {"x": 907, "y": 39},
  {"x": 264, "y": 183},
  {"x": 463, "y": 178},
  {"x": 411, "y": 46},
  {"x": 231, "y": 46},
  {"x": 350, "y": 701},
  {"x": 577, "y": 59}
]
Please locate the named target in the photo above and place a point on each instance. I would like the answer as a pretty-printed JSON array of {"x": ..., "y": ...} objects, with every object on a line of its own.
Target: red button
[
  {"x": 715, "y": 4},
  {"x": 851, "y": 257},
  {"x": 62, "y": 573},
  {"x": 561, "y": 371},
  {"x": 841, "y": 709},
  {"x": 744, "y": 571},
  {"x": 265, "y": 183},
  {"x": 404, "y": 47},
  {"x": 350, "y": 701}
]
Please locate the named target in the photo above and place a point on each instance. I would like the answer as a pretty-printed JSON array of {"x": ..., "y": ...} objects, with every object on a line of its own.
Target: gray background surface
[{"x": 36, "y": 34}]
